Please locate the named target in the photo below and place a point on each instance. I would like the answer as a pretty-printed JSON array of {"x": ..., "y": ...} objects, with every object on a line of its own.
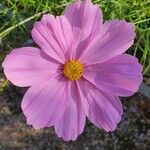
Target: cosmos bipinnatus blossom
[{"x": 78, "y": 71}]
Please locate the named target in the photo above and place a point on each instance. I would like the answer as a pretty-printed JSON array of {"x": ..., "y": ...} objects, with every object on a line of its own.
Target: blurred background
[{"x": 133, "y": 133}]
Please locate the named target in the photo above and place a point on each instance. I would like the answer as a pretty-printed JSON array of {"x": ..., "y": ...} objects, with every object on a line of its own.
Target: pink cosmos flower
[{"x": 78, "y": 71}]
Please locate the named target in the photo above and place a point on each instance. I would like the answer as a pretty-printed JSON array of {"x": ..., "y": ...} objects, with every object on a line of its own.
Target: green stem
[
  {"x": 141, "y": 21},
  {"x": 4, "y": 84},
  {"x": 8, "y": 30}
]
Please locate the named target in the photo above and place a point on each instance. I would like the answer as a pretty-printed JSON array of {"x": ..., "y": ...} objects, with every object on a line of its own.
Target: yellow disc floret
[{"x": 73, "y": 70}]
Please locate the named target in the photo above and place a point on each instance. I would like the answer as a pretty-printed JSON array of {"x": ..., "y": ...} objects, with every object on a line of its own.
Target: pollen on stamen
[{"x": 73, "y": 70}]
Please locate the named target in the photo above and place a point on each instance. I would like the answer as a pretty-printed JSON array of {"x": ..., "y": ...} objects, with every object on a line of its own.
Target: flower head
[{"x": 78, "y": 71}]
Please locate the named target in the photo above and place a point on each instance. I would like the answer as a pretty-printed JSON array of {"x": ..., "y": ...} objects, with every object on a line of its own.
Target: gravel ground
[{"x": 132, "y": 133}]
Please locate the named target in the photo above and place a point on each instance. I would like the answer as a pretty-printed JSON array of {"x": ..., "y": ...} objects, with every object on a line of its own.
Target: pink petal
[
  {"x": 115, "y": 38},
  {"x": 86, "y": 16},
  {"x": 54, "y": 36},
  {"x": 77, "y": 37},
  {"x": 105, "y": 110},
  {"x": 73, "y": 119},
  {"x": 120, "y": 75},
  {"x": 27, "y": 66},
  {"x": 44, "y": 103}
]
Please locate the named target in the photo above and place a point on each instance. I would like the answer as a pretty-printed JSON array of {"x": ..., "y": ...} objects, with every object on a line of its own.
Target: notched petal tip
[
  {"x": 85, "y": 15},
  {"x": 26, "y": 66},
  {"x": 116, "y": 37}
]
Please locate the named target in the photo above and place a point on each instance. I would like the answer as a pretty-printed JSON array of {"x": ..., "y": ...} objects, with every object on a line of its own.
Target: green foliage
[
  {"x": 137, "y": 12},
  {"x": 18, "y": 16}
]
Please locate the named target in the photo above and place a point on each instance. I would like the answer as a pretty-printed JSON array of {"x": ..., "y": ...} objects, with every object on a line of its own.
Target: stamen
[{"x": 73, "y": 70}]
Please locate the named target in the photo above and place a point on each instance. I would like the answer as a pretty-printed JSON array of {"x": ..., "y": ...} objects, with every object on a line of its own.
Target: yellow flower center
[{"x": 73, "y": 70}]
